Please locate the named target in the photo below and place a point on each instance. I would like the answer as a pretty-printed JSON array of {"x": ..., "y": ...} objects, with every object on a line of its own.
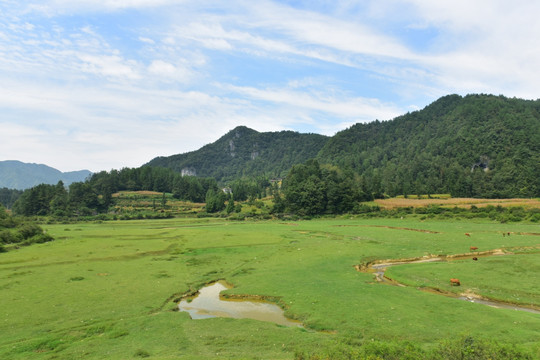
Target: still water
[{"x": 207, "y": 304}]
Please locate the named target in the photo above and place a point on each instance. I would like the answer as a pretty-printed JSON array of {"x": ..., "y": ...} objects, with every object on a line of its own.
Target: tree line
[
  {"x": 9, "y": 196},
  {"x": 312, "y": 189},
  {"x": 94, "y": 196}
]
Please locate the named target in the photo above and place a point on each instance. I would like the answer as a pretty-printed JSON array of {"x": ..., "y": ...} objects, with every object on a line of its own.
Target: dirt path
[{"x": 378, "y": 269}]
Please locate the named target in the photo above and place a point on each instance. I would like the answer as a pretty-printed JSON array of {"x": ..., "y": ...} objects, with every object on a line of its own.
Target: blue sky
[{"x": 103, "y": 84}]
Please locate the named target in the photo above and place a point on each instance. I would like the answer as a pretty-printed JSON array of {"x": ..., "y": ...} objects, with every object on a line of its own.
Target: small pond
[{"x": 208, "y": 304}]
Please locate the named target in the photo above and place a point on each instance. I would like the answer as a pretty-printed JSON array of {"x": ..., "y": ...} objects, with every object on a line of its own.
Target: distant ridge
[
  {"x": 246, "y": 152},
  {"x": 477, "y": 145},
  {"x": 18, "y": 175}
]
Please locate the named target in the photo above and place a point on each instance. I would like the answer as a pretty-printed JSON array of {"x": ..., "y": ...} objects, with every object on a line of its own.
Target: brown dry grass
[
  {"x": 459, "y": 202},
  {"x": 143, "y": 192}
]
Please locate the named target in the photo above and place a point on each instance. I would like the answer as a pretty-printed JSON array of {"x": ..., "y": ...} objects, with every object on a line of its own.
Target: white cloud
[
  {"x": 59, "y": 7},
  {"x": 339, "y": 105},
  {"x": 146, "y": 40},
  {"x": 100, "y": 93},
  {"x": 109, "y": 66}
]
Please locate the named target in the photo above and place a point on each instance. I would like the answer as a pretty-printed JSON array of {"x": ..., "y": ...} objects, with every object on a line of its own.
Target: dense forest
[
  {"x": 244, "y": 152},
  {"x": 95, "y": 194},
  {"x": 9, "y": 196},
  {"x": 311, "y": 189},
  {"x": 473, "y": 146}
]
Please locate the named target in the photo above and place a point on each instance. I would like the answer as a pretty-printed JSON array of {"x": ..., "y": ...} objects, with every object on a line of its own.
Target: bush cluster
[
  {"x": 14, "y": 231},
  {"x": 464, "y": 348},
  {"x": 25, "y": 234}
]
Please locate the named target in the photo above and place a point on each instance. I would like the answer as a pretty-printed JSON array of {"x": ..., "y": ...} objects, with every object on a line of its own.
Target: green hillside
[
  {"x": 477, "y": 145},
  {"x": 473, "y": 146},
  {"x": 246, "y": 152},
  {"x": 18, "y": 175}
]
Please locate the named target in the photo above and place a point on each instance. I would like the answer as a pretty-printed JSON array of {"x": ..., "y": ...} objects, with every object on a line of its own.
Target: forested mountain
[
  {"x": 477, "y": 145},
  {"x": 473, "y": 146},
  {"x": 18, "y": 175},
  {"x": 244, "y": 152}
]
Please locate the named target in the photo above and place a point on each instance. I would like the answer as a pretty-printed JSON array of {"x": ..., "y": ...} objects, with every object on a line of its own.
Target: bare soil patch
[{"x": 458, "y": 202}]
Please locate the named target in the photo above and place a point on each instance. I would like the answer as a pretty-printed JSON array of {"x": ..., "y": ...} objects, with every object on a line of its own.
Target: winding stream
[
  {"x": 379, "y": 268},
  {"x": 208, "y": 304}
]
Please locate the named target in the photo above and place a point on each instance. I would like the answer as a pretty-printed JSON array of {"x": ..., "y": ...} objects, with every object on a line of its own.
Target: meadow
[{"x": 109, "y": 290}]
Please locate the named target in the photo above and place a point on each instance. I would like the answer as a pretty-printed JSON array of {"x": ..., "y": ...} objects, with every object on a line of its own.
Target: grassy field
[
  {"x": 447, "y": 201},
  {"x": 108, "y": 290}
]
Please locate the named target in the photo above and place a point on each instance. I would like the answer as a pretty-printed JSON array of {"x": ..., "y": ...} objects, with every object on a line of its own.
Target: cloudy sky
[{"x": 103, "y": 84}]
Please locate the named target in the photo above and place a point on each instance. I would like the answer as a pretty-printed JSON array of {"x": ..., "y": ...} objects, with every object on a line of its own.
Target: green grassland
[{"x": 108, "y": 290}]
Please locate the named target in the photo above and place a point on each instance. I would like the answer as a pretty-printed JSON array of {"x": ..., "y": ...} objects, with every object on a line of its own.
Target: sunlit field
[
  {"x": 447, "y": 201},
  {"x": 110, "y": 290}
]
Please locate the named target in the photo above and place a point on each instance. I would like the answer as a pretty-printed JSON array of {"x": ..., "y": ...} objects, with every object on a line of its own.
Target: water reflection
[{"x": 207, "y": 304}]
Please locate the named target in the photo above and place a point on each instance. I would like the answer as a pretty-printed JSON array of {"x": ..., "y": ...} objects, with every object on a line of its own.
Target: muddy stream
[
  {"x": 378, "y": 269},
  {"x": 208, "y": 303}
]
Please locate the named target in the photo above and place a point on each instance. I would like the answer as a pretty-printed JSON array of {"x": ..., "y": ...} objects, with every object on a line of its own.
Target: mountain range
[
  {"x": 475, "y": 145},
  {"x": 19, "y": 175},
  {"x": 244, "y": 152}
]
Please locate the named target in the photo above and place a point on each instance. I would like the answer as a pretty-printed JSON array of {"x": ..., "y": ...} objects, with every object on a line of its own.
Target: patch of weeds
[
  {"x": 47, "y": 345},
  {"x": 76, "y": 278},
  {"x": 96, "y": 330},
  {"x": 9, "y": 285},
  {"x": 118, "y": 333},
  {"x": 20, "y": 273},
  {"x": 196, "y": 262},
  {"x": 141, "y": 353},
  {"x": 162, "y": 274},
  {"x": 245, "y": 271}
]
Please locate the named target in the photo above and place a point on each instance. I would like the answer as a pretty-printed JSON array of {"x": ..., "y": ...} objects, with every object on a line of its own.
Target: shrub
[
  {"x": 466, "y": 348},
  {"x": 30, "y": 230},
  {"x": 142, "y": 353},
  {"x": 38, "y": 239},
  {"x": 469, "y": 348},
  {"x": 9, "y": 237}
]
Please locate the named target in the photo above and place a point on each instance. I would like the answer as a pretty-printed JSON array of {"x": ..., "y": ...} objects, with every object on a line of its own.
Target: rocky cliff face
[{"x": 246, "y": 152}]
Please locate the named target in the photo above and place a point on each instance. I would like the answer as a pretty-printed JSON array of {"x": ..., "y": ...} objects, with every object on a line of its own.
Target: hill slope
[
  {"x": 18, "y": 175},
  {"x": 246, "y": 152},
  {"x": 477, "y": 145},
  {"x": 472, "y": 146}
]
